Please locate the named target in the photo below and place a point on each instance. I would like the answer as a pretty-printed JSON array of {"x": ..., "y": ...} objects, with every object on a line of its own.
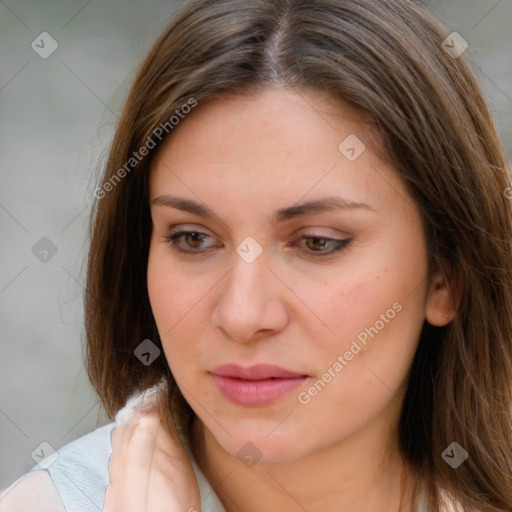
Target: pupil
[
  {"x": 195, "y": 237},
  {"x": 317, "y": 243}
]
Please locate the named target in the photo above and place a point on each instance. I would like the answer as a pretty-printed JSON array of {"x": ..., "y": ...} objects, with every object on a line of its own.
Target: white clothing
[{"x": 76, "y": 479}]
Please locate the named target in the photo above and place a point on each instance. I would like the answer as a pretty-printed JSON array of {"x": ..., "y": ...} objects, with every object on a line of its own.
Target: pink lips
[{"x": 255, "y": 386}]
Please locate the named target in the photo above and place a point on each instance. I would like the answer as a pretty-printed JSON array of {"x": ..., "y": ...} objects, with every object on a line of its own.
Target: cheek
[
  {"x": 177, "y": 302},
  {"x": 377, "y": 352},
  {"x": 349, "y": 301},
  {"x": 172, "y": 295},
  {"x": 360, "y": 373},
  {"x": 161, "y": 283},
  {"x": 375, "y": 313},
  {"x": 352, "y": 304}
]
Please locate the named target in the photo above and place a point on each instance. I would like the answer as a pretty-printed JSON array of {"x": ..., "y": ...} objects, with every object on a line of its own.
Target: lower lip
[{"x": 255, "y": 393}]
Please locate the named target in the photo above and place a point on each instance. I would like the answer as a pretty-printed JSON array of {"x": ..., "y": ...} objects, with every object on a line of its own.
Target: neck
[{"x": 354, "y": 476}]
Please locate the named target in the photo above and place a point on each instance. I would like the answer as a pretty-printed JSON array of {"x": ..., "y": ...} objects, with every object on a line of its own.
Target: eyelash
[{"x": 172, "y": 238}]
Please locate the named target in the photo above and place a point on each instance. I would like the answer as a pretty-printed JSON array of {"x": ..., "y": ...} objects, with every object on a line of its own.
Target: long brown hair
[{"x": 385, "y": 58}]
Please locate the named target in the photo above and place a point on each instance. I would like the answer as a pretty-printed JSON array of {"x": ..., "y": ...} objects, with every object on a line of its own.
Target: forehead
[
  {"x": 282, "y": 118},
  {"x": 272, "y": 143}
]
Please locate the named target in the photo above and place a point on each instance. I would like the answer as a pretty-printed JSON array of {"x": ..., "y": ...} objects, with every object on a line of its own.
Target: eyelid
[
  {"x": 193, "y": 228},
  {"x": 310, "y": 231},
  {"x": 338, "y": 245},
  {"x": 317, "y": 233}
]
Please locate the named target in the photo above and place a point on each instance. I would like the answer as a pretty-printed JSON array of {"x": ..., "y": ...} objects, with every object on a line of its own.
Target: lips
[
  {"x": 257, "y": 385},
  {"x": 256, "y": 372}
]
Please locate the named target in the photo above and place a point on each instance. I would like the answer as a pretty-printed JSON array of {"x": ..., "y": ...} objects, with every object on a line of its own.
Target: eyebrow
[{"x": 298, "y": 210}]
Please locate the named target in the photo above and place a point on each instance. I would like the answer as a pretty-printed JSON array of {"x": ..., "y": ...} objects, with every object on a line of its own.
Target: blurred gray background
[{"x": 56, "y": 120}]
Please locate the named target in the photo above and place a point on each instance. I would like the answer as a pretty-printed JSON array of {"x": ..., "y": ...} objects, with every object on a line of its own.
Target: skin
[{"x": 246, "y": 157}]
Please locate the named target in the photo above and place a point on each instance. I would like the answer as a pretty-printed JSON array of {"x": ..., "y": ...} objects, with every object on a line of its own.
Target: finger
[
  {"x": 172, "y": 478},
  {"x": 132, "y": 460},
  {"x": 126, "y": 421},
  {"x": 117, "y": 438}
]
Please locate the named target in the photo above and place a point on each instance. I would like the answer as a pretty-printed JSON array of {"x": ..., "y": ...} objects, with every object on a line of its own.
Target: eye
[
  {"x": 187, "y": 241},
  {"x": 196, "y": 242},
  {"x": 323, "y": 246}
]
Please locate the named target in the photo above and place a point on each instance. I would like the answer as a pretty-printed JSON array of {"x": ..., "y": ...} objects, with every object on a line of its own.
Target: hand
[{"x": 149, "y": 469}]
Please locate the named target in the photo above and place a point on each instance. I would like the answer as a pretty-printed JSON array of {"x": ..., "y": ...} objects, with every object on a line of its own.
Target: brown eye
[
  {"x": 323, "y": 246},
  {"x": 190, "y": 242},
  {"x": 194, "y": 240},
  {"x": 316, "y": 243}
]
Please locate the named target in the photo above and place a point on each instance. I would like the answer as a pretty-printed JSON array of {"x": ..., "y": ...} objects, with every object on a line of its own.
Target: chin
[{"x": 256, "y": 445}]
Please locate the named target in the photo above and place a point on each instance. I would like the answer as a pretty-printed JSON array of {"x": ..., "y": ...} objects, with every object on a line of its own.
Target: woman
[{"x": 299, "y": 281}]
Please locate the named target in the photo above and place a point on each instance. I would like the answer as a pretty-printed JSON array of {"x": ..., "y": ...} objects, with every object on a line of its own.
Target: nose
[{"x": 251, "y": 302}]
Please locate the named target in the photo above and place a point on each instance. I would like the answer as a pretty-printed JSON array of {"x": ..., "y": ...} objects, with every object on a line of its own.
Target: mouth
[{"x": 255, "y": 386}]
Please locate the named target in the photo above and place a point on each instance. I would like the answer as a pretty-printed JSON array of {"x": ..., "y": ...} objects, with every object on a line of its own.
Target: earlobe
[{"x": 441, "y": 306}]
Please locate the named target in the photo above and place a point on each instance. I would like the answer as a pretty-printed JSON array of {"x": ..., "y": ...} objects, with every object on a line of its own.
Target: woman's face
[{"x": 304, "y": 252}]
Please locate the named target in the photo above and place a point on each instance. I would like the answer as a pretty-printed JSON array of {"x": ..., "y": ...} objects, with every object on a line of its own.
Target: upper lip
[{"x": 256, "y": 372}]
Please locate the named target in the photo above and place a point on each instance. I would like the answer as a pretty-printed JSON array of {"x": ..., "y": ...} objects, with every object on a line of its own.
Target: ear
[{"x": 444, "y": 295}]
